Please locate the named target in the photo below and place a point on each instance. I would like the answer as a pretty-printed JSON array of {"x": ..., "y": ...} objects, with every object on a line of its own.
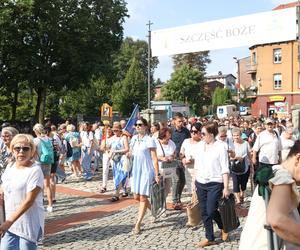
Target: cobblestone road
[{"x": 84, "y": 219}]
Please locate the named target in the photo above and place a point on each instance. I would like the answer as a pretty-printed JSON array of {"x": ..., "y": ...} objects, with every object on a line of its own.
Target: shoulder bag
[{"x": 167, "y": 164}]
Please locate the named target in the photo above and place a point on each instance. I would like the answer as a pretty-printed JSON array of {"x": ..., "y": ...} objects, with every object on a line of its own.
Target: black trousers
[{"x": 179, "y": 184}]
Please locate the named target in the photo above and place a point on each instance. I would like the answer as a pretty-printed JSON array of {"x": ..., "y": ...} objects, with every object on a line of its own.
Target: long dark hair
[{"x": 295, "y": 149}]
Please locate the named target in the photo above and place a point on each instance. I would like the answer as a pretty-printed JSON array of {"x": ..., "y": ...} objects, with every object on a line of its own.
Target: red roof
[{"x": 285, "y": 6}]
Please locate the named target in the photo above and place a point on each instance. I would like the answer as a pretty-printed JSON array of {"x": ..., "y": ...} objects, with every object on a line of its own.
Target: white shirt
[
  {"x": 86, "y": 138},
  {"x": 189, "y": 150},
  {"x": 243, "y": 150},
  {"x": 268, "y": 145},
  {"x": 16, "y": 184},
  {"x": 168, "y": 149},
  {"x": 211, "y": 162},
  {"x": 286, "y": 146}
]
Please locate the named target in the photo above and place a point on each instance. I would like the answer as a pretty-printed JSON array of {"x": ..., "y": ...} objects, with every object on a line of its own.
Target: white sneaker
[{"x": 50, "y": 209}]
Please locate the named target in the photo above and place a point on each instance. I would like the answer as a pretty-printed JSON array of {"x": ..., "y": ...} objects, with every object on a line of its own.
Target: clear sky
[{"x": 171, "y": 13}]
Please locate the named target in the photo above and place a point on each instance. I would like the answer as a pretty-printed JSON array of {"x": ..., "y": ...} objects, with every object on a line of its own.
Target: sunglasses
[
  {"x": 223, "y": 136},
  {"x": 115, "y": 130},
  {"x": 194, "y": 131},
  {"x": 24, "y": 149},
  {"x": 138, "y": 124}
]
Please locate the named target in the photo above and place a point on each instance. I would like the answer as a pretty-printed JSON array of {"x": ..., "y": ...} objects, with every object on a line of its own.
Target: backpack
[{"x": 47, "y": 153}]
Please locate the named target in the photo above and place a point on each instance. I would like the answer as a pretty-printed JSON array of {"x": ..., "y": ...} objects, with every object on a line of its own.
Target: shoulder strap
[{"x": 162, "y": 148}]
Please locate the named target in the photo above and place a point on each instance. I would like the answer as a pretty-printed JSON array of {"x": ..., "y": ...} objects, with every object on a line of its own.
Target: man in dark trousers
[{"x": 179, "y": 134}]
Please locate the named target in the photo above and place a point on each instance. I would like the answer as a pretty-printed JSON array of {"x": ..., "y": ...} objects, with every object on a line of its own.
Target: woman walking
[
  {"x": 212, "y": 177},
  {"x": 22, "y": 187},
  {"x": 243, "y": 155},
  {"x": 118, "y": 145},
  {"x": 44, "y": 152},
  {"x": 144, "y": 169}
]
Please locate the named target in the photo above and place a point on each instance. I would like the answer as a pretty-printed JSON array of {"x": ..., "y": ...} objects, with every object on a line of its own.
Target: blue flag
[{"x": 132, "y": 120}]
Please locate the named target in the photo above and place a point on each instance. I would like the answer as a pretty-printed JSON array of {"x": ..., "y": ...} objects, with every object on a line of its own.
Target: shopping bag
[
  {"x": 228, "y": 215},
  {"x": 193, "y": 211},
  {"x": 157, "y": 198}
]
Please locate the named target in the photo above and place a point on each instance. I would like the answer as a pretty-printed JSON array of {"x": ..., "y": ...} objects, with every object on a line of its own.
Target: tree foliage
[
  {"x": 54, "y": 44},
  {"x": 132, "y": 90},
  {"x": 196, "y": 60},
  {"x": 185, "y": 86},
  {"x": 221, "y": 96}
]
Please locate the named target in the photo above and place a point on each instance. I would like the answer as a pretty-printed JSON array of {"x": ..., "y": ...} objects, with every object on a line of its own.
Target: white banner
[{"x": 265, "y": 27}]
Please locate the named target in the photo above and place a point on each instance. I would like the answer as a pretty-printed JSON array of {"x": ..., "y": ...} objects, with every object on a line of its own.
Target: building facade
[{"x": 275, "y": 76}]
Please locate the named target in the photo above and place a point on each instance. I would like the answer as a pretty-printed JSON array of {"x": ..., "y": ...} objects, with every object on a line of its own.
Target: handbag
[
  {"x": 167, "y": 164},
  {"x": 237, "y": 166},
  {"x": 126, "y": 164},
  {"x": 157, "y": 198},
  {"x": 193, "y": 211},
  {"x": 117, "y": 157},
  {"x": 229, "y": 217}
]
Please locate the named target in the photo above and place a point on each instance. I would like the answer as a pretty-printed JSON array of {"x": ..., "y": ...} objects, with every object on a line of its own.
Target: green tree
[
  {"x": 196, "y": 60},
  {"x": 221, "y": 96},
  {"x": 186, "y": 86},
  {"x": 132, "y": 90},
  {"x": 54, "y": 44}
]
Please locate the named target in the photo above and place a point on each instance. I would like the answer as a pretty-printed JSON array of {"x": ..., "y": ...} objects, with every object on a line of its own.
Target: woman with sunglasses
[
  {"x": 212, "y": 177},
  {"x": 188, "y": 152},
  {"x": 22, "y": 186},
  {"x": 118, "y": 146},
  {"x": 144, "y": 169}
]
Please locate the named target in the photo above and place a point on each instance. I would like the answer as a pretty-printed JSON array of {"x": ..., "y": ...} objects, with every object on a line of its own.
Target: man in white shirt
[{"x": 268, "y": 144}]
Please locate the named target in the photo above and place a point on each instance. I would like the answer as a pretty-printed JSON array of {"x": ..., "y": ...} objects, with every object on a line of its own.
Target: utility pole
[{"x": 149, "y": 64}]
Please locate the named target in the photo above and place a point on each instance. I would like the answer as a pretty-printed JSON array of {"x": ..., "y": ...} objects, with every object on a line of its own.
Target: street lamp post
[
  {"x": 238, "y": 78},
  {"x": 149, "y": 64}
]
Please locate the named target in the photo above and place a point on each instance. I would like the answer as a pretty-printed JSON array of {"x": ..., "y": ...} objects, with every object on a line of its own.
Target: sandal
[
  {"x": 125, "y": 194},
  {"x": 114, "y": 198},
  {"x": 102, "y": 190}
]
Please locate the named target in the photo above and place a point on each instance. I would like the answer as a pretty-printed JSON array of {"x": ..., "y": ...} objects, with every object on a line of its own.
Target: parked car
[{"x": 245, "y": 110}]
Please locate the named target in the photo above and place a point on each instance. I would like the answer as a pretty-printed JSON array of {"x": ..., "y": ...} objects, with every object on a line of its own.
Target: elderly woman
[
  {"x": 22, "y": 185},
  {"x": 118, "y": 146},
  {"x": 165, "y": 150},
  {"x": 44, "y": 157},
  {"x": 212, "y": 178},
  {"x": 7, "y": 134},
  {"x": 243, "y": 155},
  {"x": 287, "y": 141},
  {"x": 281, "y": 212},
  {"x": 73, "y": 138}
]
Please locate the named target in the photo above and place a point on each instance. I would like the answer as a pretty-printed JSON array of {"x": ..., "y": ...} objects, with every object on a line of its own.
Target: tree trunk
[
  {"x": 40, "y": 105},
  {"x": 14, "y": 104}
]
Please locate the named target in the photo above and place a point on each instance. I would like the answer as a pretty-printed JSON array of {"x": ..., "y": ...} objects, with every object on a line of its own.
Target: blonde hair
[
  {"x": 23, "y": 138},
  {"x": 39, "y": 128},
  {"x": 70, "y": 128}
]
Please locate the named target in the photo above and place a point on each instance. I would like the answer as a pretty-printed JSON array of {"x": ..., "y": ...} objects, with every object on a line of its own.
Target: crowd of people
[{"x": 195, "y": 155}]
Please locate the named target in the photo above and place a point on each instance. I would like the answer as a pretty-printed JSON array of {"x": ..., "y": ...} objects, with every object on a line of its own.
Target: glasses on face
[
  {"x": 223, "y": 136},
  {"x": 115, "y": 130},
  {"x": 203, "y": 134},
  {"x": 139, "y": 124},
  {"x": 194, "y": 131},
  {"x": 5, "y": 136},
  {"x": 24, "y": 149}
]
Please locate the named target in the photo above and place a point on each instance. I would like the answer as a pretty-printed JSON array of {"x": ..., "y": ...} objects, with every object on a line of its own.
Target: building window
[
  {"x": 277, "y": 55},
  {"x": 299, "y": 80},
  {"x": 253, "y": 58},
  {"x": 277, "y": 79}
]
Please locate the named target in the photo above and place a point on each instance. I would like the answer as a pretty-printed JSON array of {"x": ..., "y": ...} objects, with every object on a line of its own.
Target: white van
[
  {"x": 226, "y": 111},
  {"x": 245, "y": 110}
]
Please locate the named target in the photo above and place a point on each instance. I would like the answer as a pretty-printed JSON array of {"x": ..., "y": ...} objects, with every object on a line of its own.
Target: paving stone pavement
[{"x": 96, "y": 223}]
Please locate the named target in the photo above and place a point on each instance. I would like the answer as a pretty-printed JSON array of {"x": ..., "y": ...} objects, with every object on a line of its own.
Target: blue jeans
[
  {"x": 87, "y": 165},
  {"x": 11, "y": 241},
  {"x": 208, "y": 195}
]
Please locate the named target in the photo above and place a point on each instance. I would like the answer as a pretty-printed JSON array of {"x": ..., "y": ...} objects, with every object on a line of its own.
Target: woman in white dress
[{"x": 144, "y": 169}]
